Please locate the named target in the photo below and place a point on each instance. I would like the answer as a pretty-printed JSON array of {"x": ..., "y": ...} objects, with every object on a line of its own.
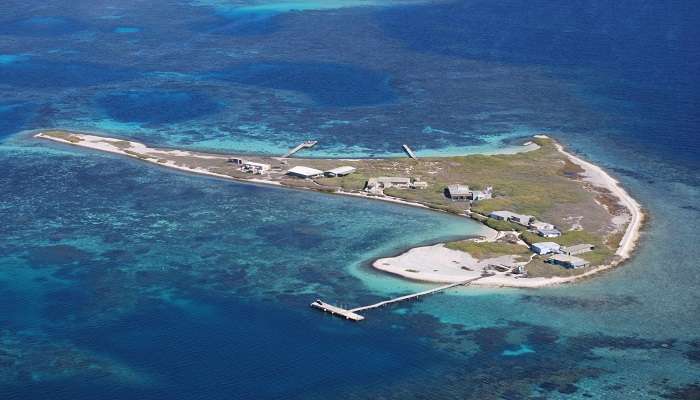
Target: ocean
[{"x": 122, "y": 280}]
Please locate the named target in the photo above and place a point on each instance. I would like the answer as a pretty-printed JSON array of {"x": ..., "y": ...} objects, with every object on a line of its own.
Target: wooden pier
[
  {"x": 352, "y": 314},
  {"x": 306, "y": 145},
  {"x": 409, "y": 152}
]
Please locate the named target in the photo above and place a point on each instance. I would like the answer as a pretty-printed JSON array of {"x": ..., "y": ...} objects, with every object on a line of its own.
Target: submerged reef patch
[
  {"x": 156, "y": 106},
  {"x": 331, "y": 85}
]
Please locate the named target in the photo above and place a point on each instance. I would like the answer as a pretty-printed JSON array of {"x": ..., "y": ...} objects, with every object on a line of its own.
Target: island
[{"x": 549, "y": 216}]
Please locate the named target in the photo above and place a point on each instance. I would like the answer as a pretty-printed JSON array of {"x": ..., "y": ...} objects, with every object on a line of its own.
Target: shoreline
[{"x": 592, "y": 174}]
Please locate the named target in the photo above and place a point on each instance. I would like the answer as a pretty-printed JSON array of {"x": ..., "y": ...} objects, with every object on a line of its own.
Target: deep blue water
[{"x": 120, "y": 280}]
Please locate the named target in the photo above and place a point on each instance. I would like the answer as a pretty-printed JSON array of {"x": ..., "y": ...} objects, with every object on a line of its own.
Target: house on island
[
  {"x": 577, "y": 249},
  {"x": 250, "y": 166},
  {"x": 487, "y": 193},
  {"x": 501, "y": 215},
  {"x": 568, "y": 261},
  {"x": 537, "y": 225},
  {"x": 521, "y": 219},
  {"x": 377, "y": 185},
  {"x": 340, "y": 171},
  {"x": 459, "y": 192},
  {"x": 544, "y": 229},
  {"x": 304, "y": 172},
  {"x": 542, "y": 248}
]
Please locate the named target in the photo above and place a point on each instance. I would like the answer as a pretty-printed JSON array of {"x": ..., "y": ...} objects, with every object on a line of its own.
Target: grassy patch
[
  {"x": 600, "y": 255},
  {"x": 500, "y": 225},
  {"x": 484, "y": 250}
]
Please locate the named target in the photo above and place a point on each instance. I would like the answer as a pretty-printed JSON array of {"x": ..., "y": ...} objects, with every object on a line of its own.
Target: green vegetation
[
  {"x": 135, "y": 154},
  {"x": 484, "y": 250},
  {"x": 600, "y": 255},
  {"x": 63, "y": 135},
  {"x": 500, "y": 225}
]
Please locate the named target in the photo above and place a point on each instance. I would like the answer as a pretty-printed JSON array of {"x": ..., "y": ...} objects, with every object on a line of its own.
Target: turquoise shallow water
[{"x": 120, "y": 280}]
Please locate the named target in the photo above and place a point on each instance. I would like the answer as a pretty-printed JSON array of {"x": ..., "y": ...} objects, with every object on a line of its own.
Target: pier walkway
[
  {"x": 306, "y": 145},
  {"x": 352, "y": 314},
  {"x": 409, "y": 152}
]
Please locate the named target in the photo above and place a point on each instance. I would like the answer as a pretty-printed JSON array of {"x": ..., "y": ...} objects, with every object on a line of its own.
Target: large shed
[
  {"x": 568, "y": 261},
  {"x": 577, "y": 249},
  {"x": 545, "y": 247},
  {"x": 304, "y": 172},
  {"x": 458, "y": 192},
  {"x": 340, "y": 171}
]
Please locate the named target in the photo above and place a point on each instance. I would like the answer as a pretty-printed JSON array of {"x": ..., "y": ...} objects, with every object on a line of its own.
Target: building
[
  {"x": 501, "y": 215},
  {"x": 419, "y": 185},
  {"x": 340, "y": 171},
  {"x": 256, "y": 168},
  {"x": 577, "y": 249},
  {"x": 249, "y": 166},
  {"x": 386, "y": 182},
  {"x": 521, "y": 219},
  {"x": 545, "y": 248},
  {"x": 541, "y": 225},
  {"x": 458, "y": 192},
  {"x": 477, "y": 195},
  {"x": 548, "y": 233},
  {"x": 304, "y": 172},
  {"x": 568, "y": 261}
]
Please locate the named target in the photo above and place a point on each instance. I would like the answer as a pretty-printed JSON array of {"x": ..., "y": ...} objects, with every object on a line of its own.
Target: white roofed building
[
  {"x": 340, "y": 171},
  {"x": 458, "y": 192},
  {"x": 545, "y": 247},
  {"x": 304, "y": 172}
]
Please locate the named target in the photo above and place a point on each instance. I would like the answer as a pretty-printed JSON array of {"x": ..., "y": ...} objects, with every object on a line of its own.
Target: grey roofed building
[
  {"x": 541, "y": 225},
  {"x": 545, "y": 247},
  {"x": 458, "y": 192},
  {"x": 568, "y": 261},
  {"x": 521, "y": 219},
  {"x": 578, "y": 249},
  {"x": 501, "y": 215},
  {"x": 549, "y": 233},
  {"x": 340, "y": 171}
]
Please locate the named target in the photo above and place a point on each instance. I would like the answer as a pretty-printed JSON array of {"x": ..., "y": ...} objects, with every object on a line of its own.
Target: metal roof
[
  {"x": 577, "y": 247},
  {"x": 574, "y": 261},
  {"x": 458, "y": 190},
  {"x": 546, "y": 245},
  {"x": 342, "y": 170},
  {"x": 304, "y": 171}
]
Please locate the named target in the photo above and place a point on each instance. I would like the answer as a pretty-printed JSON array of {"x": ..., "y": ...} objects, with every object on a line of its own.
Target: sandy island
[{"x": 435, "y": 263}]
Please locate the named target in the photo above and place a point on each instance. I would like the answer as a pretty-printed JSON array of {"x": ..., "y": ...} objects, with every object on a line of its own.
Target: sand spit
[{"x": 440, "y": 264}]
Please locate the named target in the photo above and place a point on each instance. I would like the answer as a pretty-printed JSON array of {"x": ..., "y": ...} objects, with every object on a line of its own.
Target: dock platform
[
  {"x": 341, "y": 312},
  {"x": 352, "y": 314},
  {"x": 306, "y": 145},
  {"x": 409, "y": 152}
]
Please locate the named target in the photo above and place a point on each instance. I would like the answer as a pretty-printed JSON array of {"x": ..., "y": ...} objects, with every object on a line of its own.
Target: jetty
[
  {"x": 409, "y": 152},
  {"x": 305, "y": 145},
  {"x": 352, "y": 314}
]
